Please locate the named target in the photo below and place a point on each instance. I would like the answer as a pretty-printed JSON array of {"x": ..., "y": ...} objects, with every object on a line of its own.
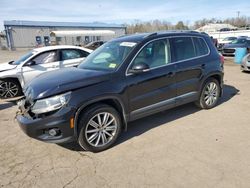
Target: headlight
[{"x": 50, "y": 104}]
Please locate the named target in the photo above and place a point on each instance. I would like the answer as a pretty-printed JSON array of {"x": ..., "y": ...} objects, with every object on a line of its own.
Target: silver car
[
  {"x": 245, "y": 63},
  {"x": 15, "y": 74}
]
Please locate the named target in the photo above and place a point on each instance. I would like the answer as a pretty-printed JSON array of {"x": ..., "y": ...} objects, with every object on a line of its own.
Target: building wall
[{"x": 25, "y": 37}]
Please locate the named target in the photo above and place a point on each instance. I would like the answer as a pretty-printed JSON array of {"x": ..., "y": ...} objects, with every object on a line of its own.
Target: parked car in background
[
  {"x": 245, "y": 64},
  {"x": 15, "y": 74},
  {"x": 125, "y": 79},
  {"x": 241, "y": 42},
  {"x": 226, "y": 40},
  {"x": 94, "y": 45}
]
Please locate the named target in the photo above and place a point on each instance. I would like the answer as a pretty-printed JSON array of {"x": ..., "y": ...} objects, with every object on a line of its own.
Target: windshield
[
  {"x": 108, "y": 57},
  {"x": 239, "y": 41},
  {"x": 22, "y": 59},
  {"x": 229, "y": 38}
]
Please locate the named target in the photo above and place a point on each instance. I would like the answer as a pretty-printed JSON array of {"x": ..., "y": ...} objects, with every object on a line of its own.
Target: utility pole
[{"x": 238, "y": 14}]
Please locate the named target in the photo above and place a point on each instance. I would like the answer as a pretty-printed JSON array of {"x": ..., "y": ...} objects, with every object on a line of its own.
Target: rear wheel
[
  {"x": 10, "y": 88},
  {"x": 210, "y": 94},
  {"x": 100, "y": 128}
]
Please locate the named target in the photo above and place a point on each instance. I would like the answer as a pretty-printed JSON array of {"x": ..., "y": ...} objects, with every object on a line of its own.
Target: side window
[
  {"x": 155, "y": 54},
  {"x": 83, "y": 53},
  {"x": 46, "y": 57},
  {"x": 183, "y": 48},
  {"x": 200, "y": 46},
  {"x": 248, "y": 43},
  {"x": 70, "y": 54}
]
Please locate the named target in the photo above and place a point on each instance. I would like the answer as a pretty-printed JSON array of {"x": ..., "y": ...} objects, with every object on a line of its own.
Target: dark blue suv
[{"x": 125, "y": 79}]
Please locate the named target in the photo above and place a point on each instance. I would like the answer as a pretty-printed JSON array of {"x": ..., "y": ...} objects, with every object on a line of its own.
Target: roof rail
[{"x": 150, "y": 35}]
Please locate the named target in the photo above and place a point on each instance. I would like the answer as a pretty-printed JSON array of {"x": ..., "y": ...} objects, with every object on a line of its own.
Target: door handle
[{"x": 55, "y": 66}]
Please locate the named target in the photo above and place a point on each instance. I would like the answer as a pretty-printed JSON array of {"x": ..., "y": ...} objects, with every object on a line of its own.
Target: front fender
[{"x": 100, "y": 100}]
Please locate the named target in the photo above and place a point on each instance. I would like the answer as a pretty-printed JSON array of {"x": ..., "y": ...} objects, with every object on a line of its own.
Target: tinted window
[
  {"x": 183, "y": 48},
  {"x": 70, "y": 54},
  {"x": 200, "y": 46},
  {"x": 239, "y": 41},
  {"x": 155, "y": 54},
  {"x": 46, "y": 57},
  {"x": 248, "y": 42},
  {"x": 83, "y": 53}
]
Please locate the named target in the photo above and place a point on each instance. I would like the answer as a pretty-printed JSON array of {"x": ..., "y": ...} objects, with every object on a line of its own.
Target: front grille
[{"x": 228, "y": 50}]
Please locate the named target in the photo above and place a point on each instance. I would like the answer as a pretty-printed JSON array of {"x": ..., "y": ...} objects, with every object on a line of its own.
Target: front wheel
[
  {"x": 10, "y": 88},
  {"x": 100, "y": 127},
  {"x": 209, "y": 95}
]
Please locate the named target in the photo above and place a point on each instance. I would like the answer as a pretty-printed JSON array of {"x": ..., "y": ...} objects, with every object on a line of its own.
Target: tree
[{"x": 180, "y": 26}]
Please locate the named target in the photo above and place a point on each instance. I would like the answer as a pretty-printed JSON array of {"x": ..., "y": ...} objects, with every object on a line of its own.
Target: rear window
[
  {"x": 200, "y": 46},
  {"x": 183, "y": 48}
]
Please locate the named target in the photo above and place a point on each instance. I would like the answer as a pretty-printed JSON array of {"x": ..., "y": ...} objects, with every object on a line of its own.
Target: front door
[
  {"x": 153, "y": 90},
  {"x": 44, "y": 62}
]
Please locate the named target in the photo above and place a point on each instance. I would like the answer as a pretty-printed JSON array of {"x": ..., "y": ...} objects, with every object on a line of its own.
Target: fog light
[{"x": 54, "y": 132}]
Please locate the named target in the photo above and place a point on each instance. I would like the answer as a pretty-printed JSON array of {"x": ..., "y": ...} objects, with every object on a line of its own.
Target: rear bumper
[{"x": 38, "y": 128}]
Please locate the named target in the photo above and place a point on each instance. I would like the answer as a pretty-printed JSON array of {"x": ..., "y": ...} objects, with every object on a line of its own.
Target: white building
[{"x": 214, "y": 27}]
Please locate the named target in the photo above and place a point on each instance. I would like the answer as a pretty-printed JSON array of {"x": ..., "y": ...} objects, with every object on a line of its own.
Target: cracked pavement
[{"x": 182, "y": 147}]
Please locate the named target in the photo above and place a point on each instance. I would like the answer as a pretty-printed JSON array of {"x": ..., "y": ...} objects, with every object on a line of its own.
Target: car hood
[
  {"x": 235, "y": 46},
  {"x": 63, "y": 80},
  {"x": 6, "y": 66}
]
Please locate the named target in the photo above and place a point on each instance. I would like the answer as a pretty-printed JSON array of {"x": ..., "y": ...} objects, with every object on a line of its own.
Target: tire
[
  {"x": 10, "y": 88},
  {"x": 210, "y": 94},
  {"x": 96, "y": 132}
]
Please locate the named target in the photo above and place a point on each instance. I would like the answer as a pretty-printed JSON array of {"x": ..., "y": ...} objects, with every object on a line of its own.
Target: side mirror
[
  {"x": 30, "y": 63},
  {"x": 139, "y": 68}
]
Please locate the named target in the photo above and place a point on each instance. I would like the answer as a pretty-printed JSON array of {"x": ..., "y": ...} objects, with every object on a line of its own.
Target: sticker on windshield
[
  {"x": 128, "y": 44},
  {"x": 112, "y": 65}
]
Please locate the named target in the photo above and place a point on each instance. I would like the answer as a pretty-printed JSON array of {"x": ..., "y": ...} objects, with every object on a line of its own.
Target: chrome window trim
[{"x": 171, "y": 63}]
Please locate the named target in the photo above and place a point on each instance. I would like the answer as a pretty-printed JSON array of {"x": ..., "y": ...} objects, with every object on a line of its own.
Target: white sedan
[{"x": 15, "y": 74}]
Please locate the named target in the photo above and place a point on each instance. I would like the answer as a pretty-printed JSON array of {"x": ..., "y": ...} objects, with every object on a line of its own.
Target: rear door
[
  {"x": 155, "y": 89},
  {"x": 72, "y": 57},
  {"x": 190, "y": 58},
  {"x": 41, "y": 63}
]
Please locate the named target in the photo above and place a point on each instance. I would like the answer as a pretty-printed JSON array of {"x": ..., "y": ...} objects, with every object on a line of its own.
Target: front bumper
[
  {"x": 245, "y": 65},
  {"x": 38, "y": 128},
  {"x": 228, "y": 51}
]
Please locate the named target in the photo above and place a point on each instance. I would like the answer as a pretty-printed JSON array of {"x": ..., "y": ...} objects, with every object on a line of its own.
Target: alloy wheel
[
  {"x": 8, "y": 89},
  {"x": 211, "y": 93},
  {"x": 101, "y": 129}
]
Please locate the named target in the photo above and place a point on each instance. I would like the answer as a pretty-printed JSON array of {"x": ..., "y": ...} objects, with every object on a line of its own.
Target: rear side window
[
  {"x": 200, "y": 46},
  {"x": 72, "y": 54},
  {"x": 83, "y": 53},
  {"x": 183, "y": 48}
]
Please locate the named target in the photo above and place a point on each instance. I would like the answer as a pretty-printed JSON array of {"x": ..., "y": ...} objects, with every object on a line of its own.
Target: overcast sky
[{"x": 120, "y": 11}]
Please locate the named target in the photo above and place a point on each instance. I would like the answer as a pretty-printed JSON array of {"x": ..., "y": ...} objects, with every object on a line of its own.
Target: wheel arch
[
  {"x": 12, "y": 78},
  {"x": 217, "y": 76},
  {"x": 111, "y": 101}
]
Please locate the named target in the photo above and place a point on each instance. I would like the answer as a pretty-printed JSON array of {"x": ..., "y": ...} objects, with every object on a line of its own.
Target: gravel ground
[{"x": 182, "y": 147}]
